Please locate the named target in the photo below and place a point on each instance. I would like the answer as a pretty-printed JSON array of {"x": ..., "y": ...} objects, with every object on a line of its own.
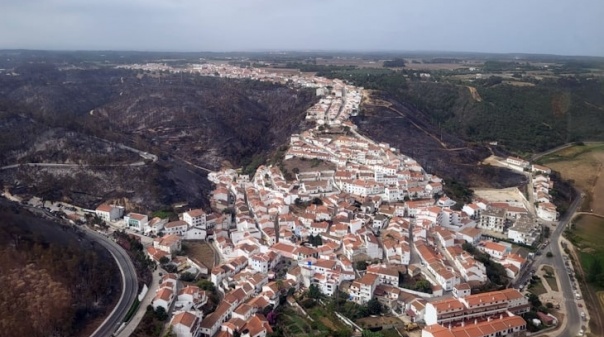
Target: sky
[{"x": 494, "y": 26}]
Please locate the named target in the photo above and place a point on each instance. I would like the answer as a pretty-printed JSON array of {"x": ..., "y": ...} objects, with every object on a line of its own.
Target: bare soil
[{"x": 201, "y": 251}]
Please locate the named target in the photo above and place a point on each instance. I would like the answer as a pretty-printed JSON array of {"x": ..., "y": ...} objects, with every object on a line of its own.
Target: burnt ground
[{"x": 409, "y": 130}]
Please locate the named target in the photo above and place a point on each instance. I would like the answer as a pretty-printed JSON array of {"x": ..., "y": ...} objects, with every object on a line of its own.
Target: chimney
[
  {"x": 489, "y": 319},
  {"x": 475, "y": 321},
  {"x": 463, "y": 323}
]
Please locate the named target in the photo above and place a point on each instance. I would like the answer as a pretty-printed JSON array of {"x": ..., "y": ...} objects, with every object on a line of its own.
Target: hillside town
[{"x": 359, "y": 218}]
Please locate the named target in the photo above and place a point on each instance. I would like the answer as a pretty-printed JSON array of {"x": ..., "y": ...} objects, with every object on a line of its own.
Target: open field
[
  {"x": 588, "y": 237},
  {"x": 379, "y": 321},
  {"x": 200, "y": 251},
  {"x": 306, "y": 165},
  {"x": 582, "y": 166}
]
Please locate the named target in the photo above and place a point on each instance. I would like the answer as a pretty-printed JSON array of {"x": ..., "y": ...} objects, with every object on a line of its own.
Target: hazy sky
[{"x": 523, "y": 26}]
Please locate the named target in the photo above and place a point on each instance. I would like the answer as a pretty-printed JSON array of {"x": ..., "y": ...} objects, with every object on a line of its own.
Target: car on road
[{"x": 580, "y": 305}]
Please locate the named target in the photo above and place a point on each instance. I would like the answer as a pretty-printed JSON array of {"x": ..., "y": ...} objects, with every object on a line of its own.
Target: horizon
[{"x": 394, "y": 53}]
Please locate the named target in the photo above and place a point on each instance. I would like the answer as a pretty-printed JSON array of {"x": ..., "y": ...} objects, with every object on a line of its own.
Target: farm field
[{"x": 582, "y": 165}]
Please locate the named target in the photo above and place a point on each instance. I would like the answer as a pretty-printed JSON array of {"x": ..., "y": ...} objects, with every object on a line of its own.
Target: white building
[
  {"x": 361, "y": 290},
  {"x": 195, "y": 218},
  {"x": 136, "y": 221},
  {"x": 168, "y": 243},
  {"x": 547, "y": 211},
  {"x": 109, "y": 212},
  {"x": 186, "y": 324},
  {"x": 178, "y": 227}
]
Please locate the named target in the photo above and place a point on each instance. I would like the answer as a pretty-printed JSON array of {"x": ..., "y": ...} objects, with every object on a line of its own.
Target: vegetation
[
  {"x": 142, "y": 263},
  {"x": 152, "y": 323},
  {"x": 53, "y": 278},
  {"x": 315, "y": 241},
  {"x": 396, "y": 63},
  {"x": 587, "y": 235},
  {"x": 416, "y": 283},
  {"x": 211, "y": 291}
]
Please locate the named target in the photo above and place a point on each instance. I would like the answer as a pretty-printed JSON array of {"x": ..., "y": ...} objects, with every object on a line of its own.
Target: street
[
  {"x": 572, "y": 321},
  {"x": 129, "y": 286}
]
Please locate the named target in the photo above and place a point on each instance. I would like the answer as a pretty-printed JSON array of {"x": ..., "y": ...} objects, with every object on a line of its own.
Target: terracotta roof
[
  {"x": 185, "y": 318},
  {"x": 196, "y": 213},
  {"x": 104, "y": 208},
  {"x": 178, "y": 223}
]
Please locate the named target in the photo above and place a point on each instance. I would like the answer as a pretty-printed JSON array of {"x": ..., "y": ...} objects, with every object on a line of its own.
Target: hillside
[
  {"x": 524, "y": 119},
  {"x": 438, "y": 151},
  {"x": 78, "y": 115},
  {"x": 527, "y": 112},
  {"x": 53, "y": 279}
]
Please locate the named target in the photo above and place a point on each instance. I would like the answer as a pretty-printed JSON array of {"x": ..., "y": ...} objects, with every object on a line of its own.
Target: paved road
[
  {"x": 564, "y": 146},
  {"x": 572, "y": 322},
  {"x": 129, "y": 286},
  {"x": 127, "y": 271},
  {"x": 57, "y": 165}
]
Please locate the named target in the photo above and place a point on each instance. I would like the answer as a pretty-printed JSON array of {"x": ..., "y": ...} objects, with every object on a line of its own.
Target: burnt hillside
[
  {"x": 438, "y": 151},
  {"x": 53, "y": 278},
  {"x": 182, "y": 118}
]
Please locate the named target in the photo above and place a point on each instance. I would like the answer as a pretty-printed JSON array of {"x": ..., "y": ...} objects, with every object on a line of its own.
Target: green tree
[
  {"x": 314, "y": 292},
  {"x": 164, "y": 260},
  {"x": 423, "y": 286},
  {"x": 374, "y": 307},
  {"x": 187, "y": 277},
  {"x": 534, "y": 300},
  {"x": 369, "y": 333},
  {"x": 361, "y": 265},
  {"x": 549, "y": 254},
  {"x": 161, "y": 313}
]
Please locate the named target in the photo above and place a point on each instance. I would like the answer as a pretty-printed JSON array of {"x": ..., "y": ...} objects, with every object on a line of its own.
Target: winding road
[{"x": 129, "y": 286}]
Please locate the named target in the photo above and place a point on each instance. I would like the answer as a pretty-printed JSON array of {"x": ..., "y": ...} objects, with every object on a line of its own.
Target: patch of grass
[
  {"x": 550, "y": 277},
  {"x": 132, "y": 310},
  {"x": 390, "y": 333},
  {"x": 537, "y": 288}
]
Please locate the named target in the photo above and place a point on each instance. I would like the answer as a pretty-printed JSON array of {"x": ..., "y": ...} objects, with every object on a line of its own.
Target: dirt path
[{"x": 474, "y": 94}]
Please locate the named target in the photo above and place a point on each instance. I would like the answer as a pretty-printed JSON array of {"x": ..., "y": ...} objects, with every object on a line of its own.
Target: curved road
[
  {"x": 129, "y": 286},
  {"x": 127, "y": 271}
]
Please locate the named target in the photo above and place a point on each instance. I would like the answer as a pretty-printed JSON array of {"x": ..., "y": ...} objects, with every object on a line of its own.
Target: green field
[{"x": 588, "y": 237}]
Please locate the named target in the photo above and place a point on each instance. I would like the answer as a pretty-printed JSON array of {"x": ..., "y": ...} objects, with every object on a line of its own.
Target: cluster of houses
[
  {"x": 376, "y": 205},
  {"x": 542, "y": 184},
  {"x": 508, "y": 219}
]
